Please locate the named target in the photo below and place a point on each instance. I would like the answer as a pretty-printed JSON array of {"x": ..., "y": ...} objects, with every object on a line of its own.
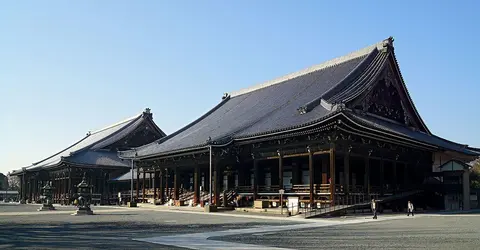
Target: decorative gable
[
  {"x": 145, "y": 133},
  {"x": 387, "y": 98}
]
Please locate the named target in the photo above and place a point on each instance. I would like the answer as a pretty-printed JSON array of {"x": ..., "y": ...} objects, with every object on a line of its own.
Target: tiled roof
[
  {"x": 268, "y": 107},
  {"x": 128, "y": 176},
  {"x": 408, "y": 133},
  {"x": 87, "y": 151},
  {"x": 293, "y": 101}
]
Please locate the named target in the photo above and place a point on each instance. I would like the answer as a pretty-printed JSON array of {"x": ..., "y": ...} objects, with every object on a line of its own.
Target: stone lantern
[
  {"x": 47, "y": 197},
  {"x": 84, "y": 197}
]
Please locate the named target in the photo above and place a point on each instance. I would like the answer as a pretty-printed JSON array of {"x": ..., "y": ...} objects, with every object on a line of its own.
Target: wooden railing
[
  {"x": 244, "y": 189},
  {"x": 268, "y": 189}
]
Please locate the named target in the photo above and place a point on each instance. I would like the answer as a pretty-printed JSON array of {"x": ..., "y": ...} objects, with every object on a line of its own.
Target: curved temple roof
[
  {"x": 293, "y": 101},
  {"x": 88, "y": 150}
]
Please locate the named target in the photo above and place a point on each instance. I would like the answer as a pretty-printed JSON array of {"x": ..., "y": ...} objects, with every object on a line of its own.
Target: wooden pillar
[
  {"x": 154, "y": 184},
  {"x": 143, "y": 187},
  {"x": 176, "y": 182},
  {"x": 70, "y": 189},
  {"x": 312, "y": 176},
  {"x": 366, "y": 177},
  {"x": 217, "y": 179},
  {"x": 167, "y": 190},
  {"x": 382, "y": 177},
  {"x": 394, "y": 168},
  {"x": 280, "y": 169},
  {"x": 138, "y": 184},
  {"x": 196, "y": 185},
  {"x": 255, "y": 178},
  {"x": 346, "y": 172},
  {"x": 332, "y": 174},
  {"x": 161, "y": 191},
  {"x": 22, "y": 188}
]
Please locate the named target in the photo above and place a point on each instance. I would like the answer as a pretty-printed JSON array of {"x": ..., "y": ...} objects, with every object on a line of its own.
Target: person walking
[
  {"x": 410, "y": 208},
  {"x": 373, "y": 205}
]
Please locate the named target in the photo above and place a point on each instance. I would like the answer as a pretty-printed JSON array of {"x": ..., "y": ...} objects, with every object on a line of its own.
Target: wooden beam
[{"x": 296, "y": 155}]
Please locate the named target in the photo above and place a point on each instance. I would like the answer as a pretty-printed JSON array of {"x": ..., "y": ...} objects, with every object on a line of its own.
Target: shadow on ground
[{"x": 96, "y": 235}]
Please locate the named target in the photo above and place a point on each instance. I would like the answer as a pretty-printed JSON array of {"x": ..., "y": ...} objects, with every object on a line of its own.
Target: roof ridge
[
  {"x": 330, "y": 63},
  {"x": 61, "y": 151},
  {"x": 85, "y": 137},
  {"x": 115, "y": 124},
  {"x": 166, "y": 138}
]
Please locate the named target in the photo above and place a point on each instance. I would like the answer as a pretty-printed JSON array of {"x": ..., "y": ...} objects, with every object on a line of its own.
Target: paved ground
[
  {"x": 21, "y": 227},
  {"x": 426, "y": 232}
]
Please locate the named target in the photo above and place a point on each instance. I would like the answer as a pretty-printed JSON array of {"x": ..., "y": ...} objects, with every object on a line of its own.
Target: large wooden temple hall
[
  {"x": 94, "y": 156},
  {"x": 335, "y": 134}
]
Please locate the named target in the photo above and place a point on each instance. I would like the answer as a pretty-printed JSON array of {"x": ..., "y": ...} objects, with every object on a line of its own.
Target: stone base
[
  {"x": 46, "y": 208},
  {"x": 132, "y": 204},
  {"x": 83, "y": 211},
  {"x": 210, "y": 208}
]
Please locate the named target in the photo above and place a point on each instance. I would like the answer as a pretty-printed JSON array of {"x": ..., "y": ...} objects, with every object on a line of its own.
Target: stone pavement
[
  {"x": 206, "y": 240},
  {"x": 22, "y": 227}
]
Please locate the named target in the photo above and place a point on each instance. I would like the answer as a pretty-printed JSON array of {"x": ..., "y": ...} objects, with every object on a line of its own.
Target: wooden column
[
  {"x": 280, "y": 169},
  {"x": 70, "y": 189},
  {"x": 154, "y": 185},
  {"x": 394, "y": 166},
  {"x": 312, "y": 176},
  {"x": 176, "y": 182},
  {"x": 196, "y": 185},
  {"x": 346, "y": 172},
  {"x": 138, "y": 184},
  {"x": 332, "y": 174},
  {"x": 143, "y": 187},
  {"x": 366, "y": 177},
  {"x": 167, "y": 180},
  {"x": 217, "y": 179},
  {"x": 255, "y": 178},
  {"x": 22, "y": 188},
  {"x": 161, "y": 191},
  {"x": 382, "y": 177}
]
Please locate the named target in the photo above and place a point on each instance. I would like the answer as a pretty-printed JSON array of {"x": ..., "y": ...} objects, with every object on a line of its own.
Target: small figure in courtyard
[
  {"x": 410, "y": 208},
  {"x": 374, "y": 208}
]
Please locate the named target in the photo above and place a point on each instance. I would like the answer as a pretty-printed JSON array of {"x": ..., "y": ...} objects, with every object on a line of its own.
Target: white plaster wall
[{"x": 440, "y": 158}]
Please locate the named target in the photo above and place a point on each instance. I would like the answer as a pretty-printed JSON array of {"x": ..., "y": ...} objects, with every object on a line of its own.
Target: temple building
[
  {"x": 337, "y": 133},
  {"x": 95, "y": 156}
]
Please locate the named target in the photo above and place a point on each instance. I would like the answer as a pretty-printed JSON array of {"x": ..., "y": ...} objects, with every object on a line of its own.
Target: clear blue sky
[{"x": 67, "y": 67}]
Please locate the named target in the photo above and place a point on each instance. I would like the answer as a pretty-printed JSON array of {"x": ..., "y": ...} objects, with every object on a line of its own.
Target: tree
[
  {"x": 475, "y": 175},
  {"x": 13, "y": 182}
]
